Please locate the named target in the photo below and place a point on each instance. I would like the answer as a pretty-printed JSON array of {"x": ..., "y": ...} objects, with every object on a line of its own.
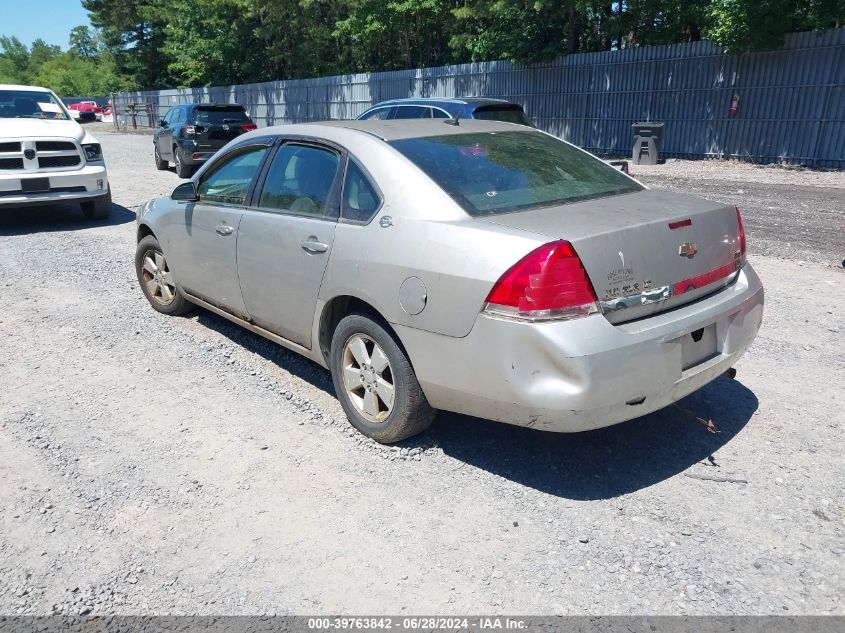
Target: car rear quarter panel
[{"x": 457, "y": 258}]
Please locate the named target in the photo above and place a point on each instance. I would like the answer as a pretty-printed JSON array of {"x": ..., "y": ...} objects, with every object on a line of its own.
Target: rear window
[
  {"x": 220, "y": 114},
  {"x": 506, "y": 113},
  {"x": 498, "y": 172}
]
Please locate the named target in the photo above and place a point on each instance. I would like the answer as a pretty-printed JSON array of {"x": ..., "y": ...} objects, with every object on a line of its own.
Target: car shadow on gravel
[
  {"x": 599, "y": 464},
  {"x": 293, "y": 363},
  {"x": 60, "y": 217},
  {"x": 607, "y": 462}
]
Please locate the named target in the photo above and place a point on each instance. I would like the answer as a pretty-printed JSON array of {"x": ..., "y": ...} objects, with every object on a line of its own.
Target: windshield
[
  {"x": 497, "y": 172},
  {"x": 220, "y": 114},
  {"x": 28, "y": 104},
  {"x": 507, "y": 113}
]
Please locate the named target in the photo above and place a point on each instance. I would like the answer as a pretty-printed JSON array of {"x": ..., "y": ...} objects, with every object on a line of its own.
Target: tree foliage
[
  {"x": 159, "y": 43},
  {"x": 85, "y": 69}
]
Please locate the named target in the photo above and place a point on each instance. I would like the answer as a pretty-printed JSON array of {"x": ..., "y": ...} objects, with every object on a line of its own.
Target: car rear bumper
[
  {"x": 193, "y": 154},
  {"x": 586, "y": 373},
  {"x": 89, "y": 182}
]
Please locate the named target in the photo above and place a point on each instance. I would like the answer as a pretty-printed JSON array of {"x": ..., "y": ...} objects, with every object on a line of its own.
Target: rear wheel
[
  {"x": 156, "y": 279},
  {"x": 161, "y": 164},
  {"x": 182, "y": 170},
  {"x": 375, "y": 382},
  {"x": 97, "y": 209}
]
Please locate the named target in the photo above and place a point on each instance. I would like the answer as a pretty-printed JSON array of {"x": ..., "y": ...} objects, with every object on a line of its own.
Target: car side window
[
  {"x": 412, "y": 112},
  {"x": 437, "y": 113},
  {"x": 228, "y": 181},
  {"x": 179, "y": 117},
  {"x": 168, "y": 118},
  {"x": 376, "y": 115},
  {"x": 300, "y": 181},
  {"x": 360, "y": 198}
]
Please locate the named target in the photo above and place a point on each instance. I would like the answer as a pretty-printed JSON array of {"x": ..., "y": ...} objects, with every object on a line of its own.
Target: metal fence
[{"x": 789, "y": 103}]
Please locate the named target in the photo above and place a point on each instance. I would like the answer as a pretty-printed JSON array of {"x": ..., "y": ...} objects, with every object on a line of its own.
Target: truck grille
[
  {"x": 36, "y": 155},
  {"x": 54, "y": 146},
  {"x": 50, "y": 162},
  {"x": 11, "y": 163}
]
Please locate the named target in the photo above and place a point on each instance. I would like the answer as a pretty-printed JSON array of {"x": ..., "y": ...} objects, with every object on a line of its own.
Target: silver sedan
[{"x": 477, "y": 267}]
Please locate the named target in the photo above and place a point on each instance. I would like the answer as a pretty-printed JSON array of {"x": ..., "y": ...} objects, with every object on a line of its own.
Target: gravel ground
[
  {"x": 182, "y": 465},
  {"x": 791, "y": 213}
]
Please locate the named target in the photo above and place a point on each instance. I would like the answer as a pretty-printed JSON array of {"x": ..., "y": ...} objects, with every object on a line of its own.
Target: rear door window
[{"x": 300, "y": 181}]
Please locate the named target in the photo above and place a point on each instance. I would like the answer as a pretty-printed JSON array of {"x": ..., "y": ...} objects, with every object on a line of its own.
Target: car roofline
[{"x": 400, "y": 129}]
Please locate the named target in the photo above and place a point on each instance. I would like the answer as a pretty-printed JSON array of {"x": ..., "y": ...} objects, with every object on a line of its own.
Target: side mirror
[
  {"x": 186, "y": 192},
  {"x": 162, "y": 123}
]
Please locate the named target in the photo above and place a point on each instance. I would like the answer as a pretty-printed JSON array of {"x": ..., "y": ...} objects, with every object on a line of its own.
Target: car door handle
[
  {"x": 224, "y": 229},
  {"x": 313, "y": 246}
]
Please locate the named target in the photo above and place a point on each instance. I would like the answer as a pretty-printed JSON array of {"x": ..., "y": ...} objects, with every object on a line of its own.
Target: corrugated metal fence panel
[{"x": 791, "y": 101}]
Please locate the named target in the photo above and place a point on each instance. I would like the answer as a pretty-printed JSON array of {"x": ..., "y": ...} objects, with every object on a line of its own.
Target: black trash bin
[{"x": 647, "y": 140}]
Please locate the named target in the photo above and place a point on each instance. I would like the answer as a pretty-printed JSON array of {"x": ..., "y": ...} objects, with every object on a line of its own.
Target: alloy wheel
[
  {"x": 157, "y": 278},
  {"x": 368, "y": 378}
]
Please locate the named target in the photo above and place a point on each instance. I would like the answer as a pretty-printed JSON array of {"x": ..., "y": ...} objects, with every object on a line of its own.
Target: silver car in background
[{"x": 481, "y": 267}]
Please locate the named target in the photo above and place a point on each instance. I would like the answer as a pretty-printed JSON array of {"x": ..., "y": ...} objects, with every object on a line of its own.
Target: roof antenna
[{"x": 453, "y": 121}]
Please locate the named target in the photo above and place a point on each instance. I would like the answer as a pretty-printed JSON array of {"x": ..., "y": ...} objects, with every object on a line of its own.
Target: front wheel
[
  {"x": 375, "y": 382},
  {"x": 156, "y": 279},
  {"x": 97, "y": 209},
  {"x": 182, "y": 170},
  {"x": 161, "y": 164}
]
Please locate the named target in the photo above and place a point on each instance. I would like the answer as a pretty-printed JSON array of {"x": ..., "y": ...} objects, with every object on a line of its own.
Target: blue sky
[{"x": 51, "y": 20}]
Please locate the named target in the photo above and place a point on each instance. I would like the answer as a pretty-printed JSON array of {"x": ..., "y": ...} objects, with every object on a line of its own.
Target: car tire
[
  {"x": 97, "y": 209},
  {"x": 364, "y": 351},
  {"x": 182, "y": 170},
  {"x": 161, "y": 165},
  {"x": 161, "y": 290}
]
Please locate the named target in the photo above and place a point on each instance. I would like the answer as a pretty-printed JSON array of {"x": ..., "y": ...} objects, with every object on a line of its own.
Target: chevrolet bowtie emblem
[{"x": 688, "y": 249}]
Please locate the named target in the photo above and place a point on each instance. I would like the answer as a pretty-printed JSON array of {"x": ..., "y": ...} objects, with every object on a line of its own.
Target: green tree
[
  {"x": 14, "y": 60},
  {"x": 134, "y": 32},
  {"x": 743, "y": 25},
  {"x": 83, "y": 43}
]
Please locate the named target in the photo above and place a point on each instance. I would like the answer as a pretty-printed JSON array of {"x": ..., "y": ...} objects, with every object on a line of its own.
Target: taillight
[
  {"x": 249, "y": 127},
  {"x": 189, "y": 130},
  {"x": 548, "y": 283},
  {"x": 741, "y": 235}
]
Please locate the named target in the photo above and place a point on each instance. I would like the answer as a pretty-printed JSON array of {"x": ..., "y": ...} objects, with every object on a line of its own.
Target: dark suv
[
  {"x": 190, "y": 134},
  {"x": 465, "y": 108}
]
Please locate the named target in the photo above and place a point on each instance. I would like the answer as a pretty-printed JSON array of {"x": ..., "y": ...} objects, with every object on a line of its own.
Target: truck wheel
[
  {"x": 375, "y": 382},
  {"x": 182, "y": 170},
  {"x": 97, "y": 209},
  {"x": 161, "y": 165},
  {"x": 156, "y": 279}
]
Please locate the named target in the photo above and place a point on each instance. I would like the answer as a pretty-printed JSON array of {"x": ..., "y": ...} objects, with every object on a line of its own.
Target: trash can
[{"x": 647, "y": 139}]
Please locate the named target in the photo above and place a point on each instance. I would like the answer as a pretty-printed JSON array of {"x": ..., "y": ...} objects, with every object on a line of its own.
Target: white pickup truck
[{"x": 46, "y": 157}]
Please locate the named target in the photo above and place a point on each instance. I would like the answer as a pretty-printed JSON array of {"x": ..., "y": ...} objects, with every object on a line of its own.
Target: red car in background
[{"x": 88, "y": 111}]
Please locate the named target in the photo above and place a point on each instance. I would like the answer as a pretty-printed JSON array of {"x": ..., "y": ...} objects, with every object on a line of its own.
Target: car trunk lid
[{"x": 645, "y": 252}]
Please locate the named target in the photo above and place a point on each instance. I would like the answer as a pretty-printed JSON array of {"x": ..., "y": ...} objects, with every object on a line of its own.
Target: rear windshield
[
  {"x": 497, "y": 172},
  {"x": 220, "y": 114},
  {"x": 506, "y": 113}
]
